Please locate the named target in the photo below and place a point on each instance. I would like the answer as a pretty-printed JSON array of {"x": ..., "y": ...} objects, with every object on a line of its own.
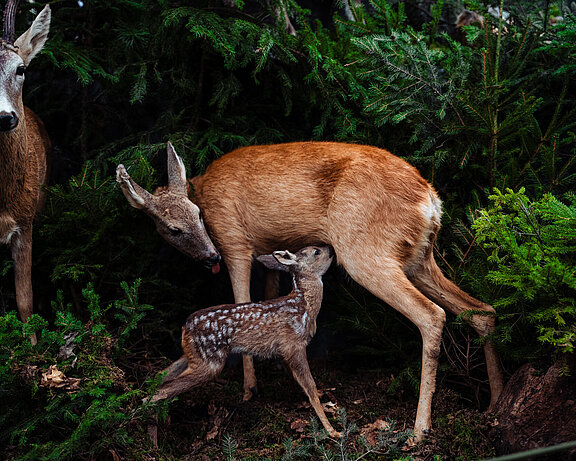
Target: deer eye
[
  {"x": 175, "y": 230},
  {"x": 20, "y": 70}
]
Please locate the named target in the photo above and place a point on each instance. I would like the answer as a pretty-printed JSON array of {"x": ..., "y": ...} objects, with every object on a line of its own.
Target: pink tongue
[{"x": 216, "y": 268}]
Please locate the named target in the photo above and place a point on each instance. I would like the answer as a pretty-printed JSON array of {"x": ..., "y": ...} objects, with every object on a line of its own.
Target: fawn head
[
  {"x": 177, "y": 219},
  {"x": 14, "y": 58},
  {"x": 312, "y": 260}
]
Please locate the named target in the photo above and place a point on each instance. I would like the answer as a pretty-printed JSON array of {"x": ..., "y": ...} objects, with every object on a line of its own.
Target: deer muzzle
[{"x": 8, "y": 121}]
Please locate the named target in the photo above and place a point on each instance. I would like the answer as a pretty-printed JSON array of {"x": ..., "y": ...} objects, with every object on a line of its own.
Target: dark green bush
[{"x": 67, "y": 397}]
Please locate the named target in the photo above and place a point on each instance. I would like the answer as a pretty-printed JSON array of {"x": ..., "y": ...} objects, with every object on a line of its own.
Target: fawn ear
[
  {"x": 286, "y": 258},
  {"x": 272, "y": 263},
  {"x": 136, "y": 195}
]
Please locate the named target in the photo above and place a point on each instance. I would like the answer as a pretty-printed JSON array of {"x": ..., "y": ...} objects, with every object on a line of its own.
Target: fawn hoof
[{"x": 249, "y": 394}]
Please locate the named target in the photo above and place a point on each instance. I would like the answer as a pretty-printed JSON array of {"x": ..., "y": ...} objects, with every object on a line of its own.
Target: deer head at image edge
[{"x": 24, "y": 145}]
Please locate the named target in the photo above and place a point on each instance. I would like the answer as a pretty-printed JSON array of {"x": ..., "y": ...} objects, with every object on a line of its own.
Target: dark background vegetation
[{"x": 488, "y": 107}]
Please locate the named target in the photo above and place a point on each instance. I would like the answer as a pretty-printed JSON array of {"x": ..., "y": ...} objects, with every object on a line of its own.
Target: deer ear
[
  {"x": 272, "y": 263},
  {"x": 176, "y": 172},
  {"x": 32, "y": 41},
  {"x": 136, "y": 195}
]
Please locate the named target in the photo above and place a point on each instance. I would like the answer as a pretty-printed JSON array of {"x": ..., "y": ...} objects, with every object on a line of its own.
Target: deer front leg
[
  {"x": 298, "y": 364},
  {"x": 21, "y": 248},
  {"x": 239, "y": 270}
]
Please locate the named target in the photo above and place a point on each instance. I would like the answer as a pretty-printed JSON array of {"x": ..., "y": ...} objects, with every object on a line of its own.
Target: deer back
[{"x": 298, "y": 194}]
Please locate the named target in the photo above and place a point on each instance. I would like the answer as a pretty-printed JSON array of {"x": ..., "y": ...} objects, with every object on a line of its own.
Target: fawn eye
[
  {"x": 175, "y": 230},
  {"x": 20, "y": 70}
]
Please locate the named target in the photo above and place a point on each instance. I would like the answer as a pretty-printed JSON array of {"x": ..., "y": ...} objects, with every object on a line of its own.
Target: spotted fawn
[{"x": 280, "y": 327}]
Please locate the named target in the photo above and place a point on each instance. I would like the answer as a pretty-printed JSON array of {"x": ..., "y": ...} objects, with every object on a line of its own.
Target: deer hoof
[
  {"x": 415, "y": 440},
  {"x": 249, "y": 394}
]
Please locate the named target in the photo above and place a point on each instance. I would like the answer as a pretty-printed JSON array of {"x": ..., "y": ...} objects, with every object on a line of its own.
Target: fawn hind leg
[
  {"x": 428, "y": 278},
  {"x": 298, "y": 364},
  {"x": 181, "y": 376}
]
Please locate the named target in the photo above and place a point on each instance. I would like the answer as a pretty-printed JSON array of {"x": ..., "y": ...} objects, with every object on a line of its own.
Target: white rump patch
[{"x": 432, "y": 210}]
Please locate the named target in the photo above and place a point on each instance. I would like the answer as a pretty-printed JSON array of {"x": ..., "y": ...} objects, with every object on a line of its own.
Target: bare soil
[{"x": 202, "y": 421}]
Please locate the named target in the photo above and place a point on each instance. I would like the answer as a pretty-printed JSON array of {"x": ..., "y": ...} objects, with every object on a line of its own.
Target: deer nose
[
  {"x": 214, "y": 259},
  {"x": 8, "y": 121}
]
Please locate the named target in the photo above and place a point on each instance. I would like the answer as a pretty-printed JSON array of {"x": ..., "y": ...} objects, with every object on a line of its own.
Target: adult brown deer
[
  {"x": 177, "y": 218},
  {"x": 24, "y": 144},
  {"x": 278, "y": 327},
  {"x": 376, "y": 211}
]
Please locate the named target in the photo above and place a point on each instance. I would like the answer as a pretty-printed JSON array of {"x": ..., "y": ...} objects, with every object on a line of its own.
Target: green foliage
[
  {"x": 476, "y": 112},
  {"x": 411, "y": 81},
  {"x": 67, "y": 395},
  {"x": 532, "y": 248},
  {"x": 119, "y": 78}
]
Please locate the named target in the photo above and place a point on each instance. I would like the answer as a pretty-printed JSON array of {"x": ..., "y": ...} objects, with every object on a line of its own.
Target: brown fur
[
  {"x": 280, "y": 327},
  {"x": 177, "y": 218},
  {"x": 375, "y": 209},
  {"x": 23, "y": 151}
]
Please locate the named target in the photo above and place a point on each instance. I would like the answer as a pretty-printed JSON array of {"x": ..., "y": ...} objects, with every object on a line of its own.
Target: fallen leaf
[
  {"x": 370, "y": 431},
  {"x": 330, "y": 407},
  {"x": 67, "y": 350},
  {"x": 54, "y": 378},
  {"x": 299, "y": 425},
  {"x": 218, "y": 416}
]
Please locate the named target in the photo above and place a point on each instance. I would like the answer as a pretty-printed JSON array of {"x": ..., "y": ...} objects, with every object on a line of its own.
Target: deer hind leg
[
  {"x": 181, "y": 376},
  {"x": 429, "y": 279},
  {"x": 239, "y": 270},
  {"x": 175, "y": 369},
  {"x": 182, "y": 379},
  {"x": 21, "y": 247},
  {"x": 298, "y": 364},
  {"x": 382, "y": 278}
]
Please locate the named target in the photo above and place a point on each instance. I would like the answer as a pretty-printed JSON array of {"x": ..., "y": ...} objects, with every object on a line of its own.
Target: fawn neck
[{"x": 311, "y": 288}]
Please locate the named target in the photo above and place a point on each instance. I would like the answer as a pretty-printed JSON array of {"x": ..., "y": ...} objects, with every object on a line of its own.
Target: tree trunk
[{"x": 537, "y": 410}]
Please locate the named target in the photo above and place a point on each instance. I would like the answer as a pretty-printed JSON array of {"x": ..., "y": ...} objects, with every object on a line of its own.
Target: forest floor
[{"x": 212, "y": 423}]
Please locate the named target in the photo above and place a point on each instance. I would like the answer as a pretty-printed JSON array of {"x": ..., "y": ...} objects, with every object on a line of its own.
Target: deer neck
[
  {"x": 311, "y": 289},
  {"x": 13, "y": 168}
]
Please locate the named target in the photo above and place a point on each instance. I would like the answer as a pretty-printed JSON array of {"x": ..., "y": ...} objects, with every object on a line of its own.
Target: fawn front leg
[{"x": 298, "y": 363}]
